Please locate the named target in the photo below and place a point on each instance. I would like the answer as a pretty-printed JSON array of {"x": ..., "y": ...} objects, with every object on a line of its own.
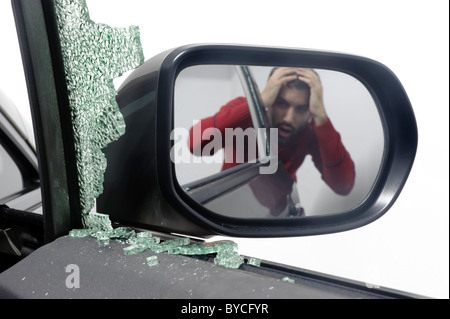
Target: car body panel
[
  {"x": 106, "y": 272},
  {"x": 20, "y": 280}
]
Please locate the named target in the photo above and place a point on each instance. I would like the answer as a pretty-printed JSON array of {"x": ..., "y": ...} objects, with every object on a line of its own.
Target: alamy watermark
[
  {"x": 245, "y": 144},
  {"x": 73, "y": 279}
]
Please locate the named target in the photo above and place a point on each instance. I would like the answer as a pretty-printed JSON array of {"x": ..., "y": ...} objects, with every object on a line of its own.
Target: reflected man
[{"x": 293, "y": 98}]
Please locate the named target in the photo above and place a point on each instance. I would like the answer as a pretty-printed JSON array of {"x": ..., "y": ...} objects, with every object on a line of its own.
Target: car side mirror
[{"x": 327, "y": 176}]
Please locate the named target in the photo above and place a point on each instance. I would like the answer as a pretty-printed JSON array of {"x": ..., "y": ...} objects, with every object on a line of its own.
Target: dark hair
[{"x": 296, "y": 84}]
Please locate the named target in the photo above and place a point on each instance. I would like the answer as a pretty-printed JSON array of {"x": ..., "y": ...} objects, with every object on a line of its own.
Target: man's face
[{"x": 290, "y": 113}]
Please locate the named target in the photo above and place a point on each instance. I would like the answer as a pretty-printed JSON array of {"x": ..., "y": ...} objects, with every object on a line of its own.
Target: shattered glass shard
[
  {"x": 289, "y": 280},
  {"x": 144, "y": 234},
  {"x": 204, "y": 248},
  {"x": 191, "y": 249},
  {"x": 97, "y": 221},
  {"x": 134, "y": 249},
  {"x": 93, "y": 55},
  {"x": 146, "y": 241},
  {"x": 102, "y": 234},
  {"x": 229, "y": 259},
  {"x": 170, "y": 244},
  {"x": 123, "y": 233},
  {"x": 103, "y": 240},
  {"x": 152, "y": 261},
  {"x": 254, "y": 262},
  {"x": 141, "y": 242},
  {"x": 79, "y": 233}
]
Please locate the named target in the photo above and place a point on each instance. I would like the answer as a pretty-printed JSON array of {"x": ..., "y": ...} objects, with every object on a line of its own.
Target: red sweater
[{"x": 322, "y": 142}]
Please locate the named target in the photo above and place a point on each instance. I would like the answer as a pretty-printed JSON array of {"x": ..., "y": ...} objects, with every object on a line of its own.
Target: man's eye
[
  {"x": 281, "y": 104},
  {"x": 302, "y": 110}
]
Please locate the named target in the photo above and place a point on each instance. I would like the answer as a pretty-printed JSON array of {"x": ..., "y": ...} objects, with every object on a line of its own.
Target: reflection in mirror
[{"x": 325, "y": 134}]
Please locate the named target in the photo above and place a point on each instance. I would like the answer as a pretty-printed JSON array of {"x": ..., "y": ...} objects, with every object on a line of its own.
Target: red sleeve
[
  {"x": 334, "y": 161},
  {"x": 233, "y": 114}
]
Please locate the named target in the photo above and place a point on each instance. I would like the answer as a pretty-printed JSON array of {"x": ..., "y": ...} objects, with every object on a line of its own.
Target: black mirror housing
[{"x": 141, "y": 188}]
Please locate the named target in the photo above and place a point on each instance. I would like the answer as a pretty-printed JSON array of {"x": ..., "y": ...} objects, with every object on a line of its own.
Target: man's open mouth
[{"x": 285, "y": 131}]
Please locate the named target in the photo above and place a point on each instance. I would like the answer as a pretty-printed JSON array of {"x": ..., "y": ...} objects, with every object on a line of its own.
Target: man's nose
[{"x": 289, "y": 115}]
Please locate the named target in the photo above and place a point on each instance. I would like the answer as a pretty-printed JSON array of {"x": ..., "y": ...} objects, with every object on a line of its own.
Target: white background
[{"x": 408, "y": 248}]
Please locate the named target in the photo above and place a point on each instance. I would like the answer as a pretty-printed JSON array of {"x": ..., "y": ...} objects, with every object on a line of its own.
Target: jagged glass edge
[{"x": 91, "y": 63}]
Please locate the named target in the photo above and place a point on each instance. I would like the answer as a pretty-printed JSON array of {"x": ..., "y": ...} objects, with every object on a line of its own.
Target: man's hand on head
[
  {"x": 316, "y": 105},
  {"x": 280, "y": 77}
]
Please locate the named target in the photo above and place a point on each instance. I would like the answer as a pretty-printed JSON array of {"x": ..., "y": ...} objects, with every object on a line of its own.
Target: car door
[{"x": 61, "y": 195}]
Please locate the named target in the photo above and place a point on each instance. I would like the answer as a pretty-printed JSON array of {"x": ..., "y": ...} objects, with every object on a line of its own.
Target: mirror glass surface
[{"x": 324, "y": 130}]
